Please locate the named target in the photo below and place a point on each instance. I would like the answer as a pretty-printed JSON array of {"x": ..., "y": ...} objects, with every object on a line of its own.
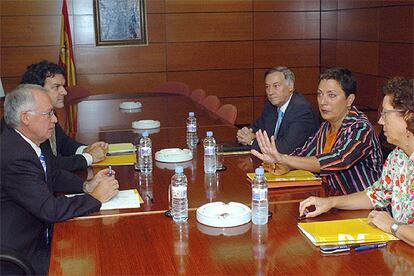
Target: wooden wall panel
[
  {"x": 209, "y": 55},
  {"x": 94, "y": 60},
  {"x": 396, "y": 60},
  {"x": 368, "y": 91},
  {"x": 359, "y": 57},
  {"x": 397, "y": 24},
  {"x": 286, "y": 25},
  {"x": 209, "y": 27},
  {"x": 9, "y": 83},
  {"x": 358, "y": 24},
  {"x": 328, "y": 53},
  {"x": 30, "y": 30},
  {"x": 286, "y": 5},
  {"x": 313, "y": 99},
  {"x": 291, "y": 53},
  {"x": 306, "y": 80},
  {"x": 32, "y": 7},
  {"x": 84, "y": 30},
  {"x": 258, "y": 103},
  {"x": 222, "y": 83},
  {"x": 244, "y": 109},
  {"x": 121, "y": 83},
  {"x": 327, "y": 5},
  {"x": 14, "y": 61},
  {"x": 329, "y": 25},
  {"x": 182, "y": 6},
  {"x": 352, "y": 4}
]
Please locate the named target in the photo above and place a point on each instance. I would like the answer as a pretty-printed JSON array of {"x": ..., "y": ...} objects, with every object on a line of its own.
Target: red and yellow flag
[{"x": 66, "y": 58}]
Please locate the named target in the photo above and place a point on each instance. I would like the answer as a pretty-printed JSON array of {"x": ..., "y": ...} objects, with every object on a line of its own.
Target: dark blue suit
[{"x": 299, "y": 123}]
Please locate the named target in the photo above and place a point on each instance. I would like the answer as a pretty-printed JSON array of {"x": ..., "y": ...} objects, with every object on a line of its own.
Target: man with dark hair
[
  {"x": 29, "y": 179},
  {"x": 287, "y": 115},
  {"x": 71, "y": 155}
]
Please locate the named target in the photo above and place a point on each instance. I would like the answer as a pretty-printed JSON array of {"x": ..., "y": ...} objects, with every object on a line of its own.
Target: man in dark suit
[
  {"x": 29, "y": 178},
  {"x": 287, "y": 114},
  {"x": 71, "y": 154}
]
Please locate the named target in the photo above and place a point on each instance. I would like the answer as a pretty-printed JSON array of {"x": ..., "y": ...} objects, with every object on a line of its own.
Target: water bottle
[
  {"x": 179, "y": 208},
  {"x": 210, "y": 161},
  {"x": 192, "y": 138},
  {"x": 260, "y": 203},
  {"x": 145, "y": 154}
]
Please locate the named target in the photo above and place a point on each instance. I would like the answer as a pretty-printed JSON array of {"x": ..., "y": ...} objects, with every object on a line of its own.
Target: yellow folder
[
  {"x": 120, "y": 148},
  {"x": 127, "y": 159},
  {"x": 294, "y": 178},
  {"x": 347, "y": 231}
]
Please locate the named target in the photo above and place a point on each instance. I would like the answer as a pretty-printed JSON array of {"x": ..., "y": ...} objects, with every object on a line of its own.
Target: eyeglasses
[
  {"x": 49, "y": 114},
  {"x": 385, "y": 111}
]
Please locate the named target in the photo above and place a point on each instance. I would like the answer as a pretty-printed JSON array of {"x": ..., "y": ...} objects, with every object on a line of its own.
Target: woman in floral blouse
[{"x": 395, "y": 188}]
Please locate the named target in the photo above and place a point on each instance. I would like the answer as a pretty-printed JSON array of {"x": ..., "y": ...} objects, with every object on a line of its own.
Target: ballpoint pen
[
  {"x": 110, "y": 170},
  {"x": 370, "y": 246}
]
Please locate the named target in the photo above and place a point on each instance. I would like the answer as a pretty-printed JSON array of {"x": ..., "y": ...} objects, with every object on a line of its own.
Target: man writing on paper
[
  {"x": 71, "y": 154},
  {"x": 287, "y": 114},
  {"x": 29, "y": 179}
]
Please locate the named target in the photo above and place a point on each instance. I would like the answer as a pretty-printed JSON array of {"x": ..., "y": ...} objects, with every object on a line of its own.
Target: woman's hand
[
  {"x": 267, "y": 147},
  {"x": 381, "y": 219},
  {"x": 322, "y": 205}
]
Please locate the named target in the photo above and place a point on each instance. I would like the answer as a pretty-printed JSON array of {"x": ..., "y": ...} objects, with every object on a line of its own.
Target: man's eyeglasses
[
  {"x": 49, "y": 114},
  {"x": 385, "y": 111}
]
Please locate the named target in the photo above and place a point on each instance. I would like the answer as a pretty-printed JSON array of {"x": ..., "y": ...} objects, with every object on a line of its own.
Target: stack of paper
[
  {"x": 120, "y": 148},
  {"x": 294, "y": 178},
  {"x": 348, "y": 231}
]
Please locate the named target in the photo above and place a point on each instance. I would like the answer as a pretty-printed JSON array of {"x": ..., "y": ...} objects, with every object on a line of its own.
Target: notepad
[
  {"x": 123, "y": 200},
  {"x": 121, "y": 148},
  {"x": 294, "y": 178},
  {"x": 347, "y": 231},
  {"x": 127, "y": 159}
]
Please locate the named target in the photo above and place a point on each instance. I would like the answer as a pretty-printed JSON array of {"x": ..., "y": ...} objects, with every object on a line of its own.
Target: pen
[
  {"x": 370, "y": 246},
  {"x": 304, "y": 215},
  {"x": 110, "y": 170}
]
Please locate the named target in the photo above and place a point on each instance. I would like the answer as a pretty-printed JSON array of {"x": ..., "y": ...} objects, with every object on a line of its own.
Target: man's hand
[
  {"x": 268, "y": 148},
  {"x": 97, "y": 150},
  {"x": 322, "y": 205},
  {"x": 90, "y": 187},
  {"x": 245, "y": 136},
  {"x": 381, "y": 219},
  {"x": 106, "y": 189}
]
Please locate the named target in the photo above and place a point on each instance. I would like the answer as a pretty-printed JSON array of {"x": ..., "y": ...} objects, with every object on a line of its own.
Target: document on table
[
  {"x": 120, "y": 148},
  {"x": 128, "y": 159}
]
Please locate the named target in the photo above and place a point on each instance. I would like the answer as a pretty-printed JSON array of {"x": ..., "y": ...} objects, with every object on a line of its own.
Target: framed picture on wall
[{"x": 120, "y": 22}]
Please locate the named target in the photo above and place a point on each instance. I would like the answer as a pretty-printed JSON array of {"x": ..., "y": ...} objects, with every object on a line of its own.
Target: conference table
[{"x": 145, "y": 241}]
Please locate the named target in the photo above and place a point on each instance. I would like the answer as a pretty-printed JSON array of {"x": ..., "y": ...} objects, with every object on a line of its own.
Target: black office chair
[{"x": 12, "y": 263}]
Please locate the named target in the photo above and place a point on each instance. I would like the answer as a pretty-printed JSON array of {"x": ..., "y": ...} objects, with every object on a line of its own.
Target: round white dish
[
  {"x": 130, "y": 105},
  {"x": 145, "y": 124},
  {"x": 171, "y": 166},
  {"x": 219, "y": 214},
  {"x": 224, "y": 231},
  {"x": 173, "y": 155}
]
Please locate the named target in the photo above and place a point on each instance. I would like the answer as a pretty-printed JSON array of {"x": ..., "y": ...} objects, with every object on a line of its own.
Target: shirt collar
[
  {"x": 285, "y": 105},
  {"x": 33, "y": 145}
]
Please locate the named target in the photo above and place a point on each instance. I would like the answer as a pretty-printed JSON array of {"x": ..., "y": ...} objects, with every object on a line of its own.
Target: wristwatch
[{"x": 394, "y": 228}]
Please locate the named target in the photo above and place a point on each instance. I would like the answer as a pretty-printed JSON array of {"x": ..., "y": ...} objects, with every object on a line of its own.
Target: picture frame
[{"x": 120, "y": 22}]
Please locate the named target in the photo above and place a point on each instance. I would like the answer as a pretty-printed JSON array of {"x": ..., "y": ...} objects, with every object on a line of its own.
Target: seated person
[
  {"x": 396, "y": 185},
  {"x": 29, "y": 178},
  {"x": 345, "y": 151},
  {"x": 71, "y": 154},
  {"x": 287, "y": 114}
]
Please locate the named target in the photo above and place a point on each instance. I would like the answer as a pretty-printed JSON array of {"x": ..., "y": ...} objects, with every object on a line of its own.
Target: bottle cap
[
  {"x": 145, "y": 134},
  {"x": 259, "y": 171},
  {"x": 179, "y": 169},
  {"x": 191, "y": 114},
  {"x": 209, "y": 134}
]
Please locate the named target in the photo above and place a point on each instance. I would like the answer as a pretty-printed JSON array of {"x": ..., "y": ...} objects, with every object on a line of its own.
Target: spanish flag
[{"x": 66, "y": 58}]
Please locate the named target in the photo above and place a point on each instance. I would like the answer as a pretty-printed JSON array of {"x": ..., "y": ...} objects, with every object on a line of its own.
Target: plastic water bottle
[
  {"x": 260, "y": 203},
  {"x": 179, "y": 200},
  {"x": 145, "y": 154},
  {"x": 210, "y": 161},
  {"x": 192, "y": 138}
]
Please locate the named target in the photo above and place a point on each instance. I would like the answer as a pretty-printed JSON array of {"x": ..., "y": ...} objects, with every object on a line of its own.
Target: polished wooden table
[{"x": 144, "y": 241}]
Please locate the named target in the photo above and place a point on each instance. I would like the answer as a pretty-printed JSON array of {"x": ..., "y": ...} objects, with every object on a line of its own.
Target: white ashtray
[
  {"x": 130, "y": 105},
  {"x": 173, "y": 155},
  {"x": 145, "y": 124},
  {"x": 171, "y": 166},
  {"x": 219, "y": 214},
  {"x": 224, "y": 231},
  {"x": 149, "y": 131}
]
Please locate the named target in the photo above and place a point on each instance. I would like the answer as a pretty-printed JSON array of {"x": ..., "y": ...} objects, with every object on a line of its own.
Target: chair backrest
[
  {"x": 12, "y": 263},
  {"x": 228, "y": 112},
  {"x": 198, "y": 95},
  {"x": 173, "y": 87},
  {"x": 211, "y": 102}
]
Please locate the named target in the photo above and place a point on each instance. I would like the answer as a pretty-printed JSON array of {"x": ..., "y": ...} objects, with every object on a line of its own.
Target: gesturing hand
[
  {"x": 322, "y": 205},
  {"x": 267, "y": 147}
]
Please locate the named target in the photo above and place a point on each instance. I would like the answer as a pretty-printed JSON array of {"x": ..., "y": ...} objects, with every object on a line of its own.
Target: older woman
[
  {"x": 345, "y": 151},
  {"x": 396, "y": 185}
]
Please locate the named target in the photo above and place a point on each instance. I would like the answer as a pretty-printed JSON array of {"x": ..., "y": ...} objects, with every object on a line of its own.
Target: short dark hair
[
  {"x": 402, "y": 92},
  {"x": 343, "y": 76},
  {"x": 287, "y": 73},
  {"x": 37, "y": 73}
]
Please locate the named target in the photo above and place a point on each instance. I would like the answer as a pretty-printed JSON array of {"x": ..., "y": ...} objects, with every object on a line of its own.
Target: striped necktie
[
  {"x": 280, "y": 115},
  {"x": 42, "y": 160}
]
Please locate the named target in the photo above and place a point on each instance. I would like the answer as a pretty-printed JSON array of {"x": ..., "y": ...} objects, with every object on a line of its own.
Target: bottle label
[
  {"x": 191, "y": 128},
  {"x": 259, "y": 194},
  {"x": 179, "y": 192},
  {"x": 210, "y": 151},
  {"x": 145, "y": 151}
]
